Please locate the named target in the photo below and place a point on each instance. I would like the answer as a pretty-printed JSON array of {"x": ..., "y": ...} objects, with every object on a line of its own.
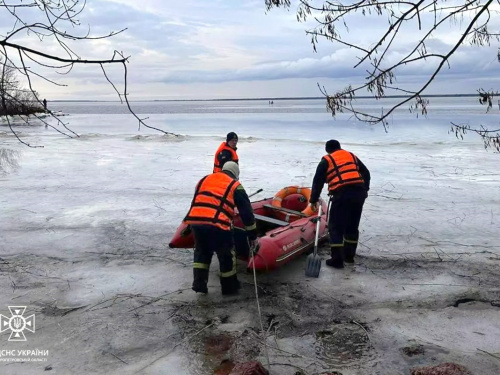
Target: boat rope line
[
  {"x": 260, "y": 314},
  {"x": 290, "y": 226}
]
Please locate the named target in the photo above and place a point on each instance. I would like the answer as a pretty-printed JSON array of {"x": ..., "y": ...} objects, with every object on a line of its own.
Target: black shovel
[{"x": 313, "y": 264}]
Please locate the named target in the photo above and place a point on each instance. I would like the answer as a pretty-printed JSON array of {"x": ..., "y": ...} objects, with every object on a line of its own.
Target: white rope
[
  {"x": 258, "y": 309},
  {"x": 328, "y": 211}
]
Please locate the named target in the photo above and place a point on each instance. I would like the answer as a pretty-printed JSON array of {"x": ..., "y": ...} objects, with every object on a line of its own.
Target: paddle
[
  {"x": 313, "y": 264},
  {"x": 257, "y": 192}
]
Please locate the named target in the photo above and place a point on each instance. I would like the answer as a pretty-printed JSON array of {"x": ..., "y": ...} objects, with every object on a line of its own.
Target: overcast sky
[{"x": 233, "y": 49}]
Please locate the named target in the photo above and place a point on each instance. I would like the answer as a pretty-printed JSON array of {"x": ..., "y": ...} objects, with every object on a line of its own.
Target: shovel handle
[
  {"x": 257, "y": 192},
  {"x": 317, "y": 230}
]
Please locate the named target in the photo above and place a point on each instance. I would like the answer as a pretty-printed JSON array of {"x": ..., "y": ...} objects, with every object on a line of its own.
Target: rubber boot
[
  {"x": 334, "y": 263},
  {"x": 229, "y": 285},
  {"x": 350, "y": 251},
  {"x": 337, "y": 260},
  {"x": 200, "y": 280}
]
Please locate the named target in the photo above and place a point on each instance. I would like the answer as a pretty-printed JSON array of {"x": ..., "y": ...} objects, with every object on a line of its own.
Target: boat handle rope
[
  {"x": 290, "y": 226},
  {"x": 264, "y": 333}
]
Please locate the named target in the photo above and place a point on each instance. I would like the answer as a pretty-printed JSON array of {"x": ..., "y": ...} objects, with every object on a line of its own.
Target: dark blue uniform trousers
[{"x": 345, "y": 214}]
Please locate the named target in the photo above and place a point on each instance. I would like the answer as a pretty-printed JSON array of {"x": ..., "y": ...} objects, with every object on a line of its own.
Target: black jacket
[{"x": 225, "y": 155}]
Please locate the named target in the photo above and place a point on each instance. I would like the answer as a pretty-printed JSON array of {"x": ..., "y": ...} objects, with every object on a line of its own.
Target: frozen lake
[{"x": 88, "y": 219}]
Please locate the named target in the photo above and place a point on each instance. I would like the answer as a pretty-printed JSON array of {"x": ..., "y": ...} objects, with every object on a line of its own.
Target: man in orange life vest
[
  {"x": 210, "y": 218},
  {"x": 226, "y": 152},
  {"x": 348, "y": 182}
]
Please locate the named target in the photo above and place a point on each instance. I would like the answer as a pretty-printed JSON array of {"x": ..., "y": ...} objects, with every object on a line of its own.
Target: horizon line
[{"x": 264, "y": 98}]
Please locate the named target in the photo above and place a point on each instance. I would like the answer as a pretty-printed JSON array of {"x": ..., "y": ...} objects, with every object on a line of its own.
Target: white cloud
[{"x": 235, "y": 48}]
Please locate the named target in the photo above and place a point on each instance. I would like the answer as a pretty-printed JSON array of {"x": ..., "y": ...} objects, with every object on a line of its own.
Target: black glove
[
  {"x": 254, "y": 246},
  {"x": 252, "y": 235}
]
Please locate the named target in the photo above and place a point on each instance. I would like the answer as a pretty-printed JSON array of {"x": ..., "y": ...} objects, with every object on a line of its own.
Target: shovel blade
[{"x": 313, "y": 265}]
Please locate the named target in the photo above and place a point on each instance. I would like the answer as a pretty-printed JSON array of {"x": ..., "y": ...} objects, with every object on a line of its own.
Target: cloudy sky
[{"x": 235, "y": 49}]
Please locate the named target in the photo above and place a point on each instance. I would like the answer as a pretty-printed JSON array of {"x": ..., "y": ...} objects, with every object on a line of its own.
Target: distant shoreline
[{"x": 256, "y": 99}]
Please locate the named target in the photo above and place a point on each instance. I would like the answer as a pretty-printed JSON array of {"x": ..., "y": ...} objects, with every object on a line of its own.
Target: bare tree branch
[
  {"x": 54, "y": 17},
  {"x": 424, "y": 18}
]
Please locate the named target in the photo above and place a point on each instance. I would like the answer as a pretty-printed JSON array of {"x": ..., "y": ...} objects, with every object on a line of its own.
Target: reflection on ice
[{"x": 8, "y": 160}]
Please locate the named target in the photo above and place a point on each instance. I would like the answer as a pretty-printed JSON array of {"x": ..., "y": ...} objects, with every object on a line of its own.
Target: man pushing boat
[{"x": 210, "y": 218}]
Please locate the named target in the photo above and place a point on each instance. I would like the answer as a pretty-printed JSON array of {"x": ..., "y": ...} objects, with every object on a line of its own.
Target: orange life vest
[
  {"x": 213, "y": 202},
  {"x": 342, "y": 170},
  {"x": 224, "y": 146}
]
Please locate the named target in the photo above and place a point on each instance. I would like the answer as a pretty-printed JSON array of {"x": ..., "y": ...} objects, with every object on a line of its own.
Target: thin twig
[
  {"x": 158, "y": 299},
  {"x": 180, "y": 343},
  {"x": 364, "y": 329},
  {"x": 116, "y": 357},
  {"x": 491, "y": 354}
]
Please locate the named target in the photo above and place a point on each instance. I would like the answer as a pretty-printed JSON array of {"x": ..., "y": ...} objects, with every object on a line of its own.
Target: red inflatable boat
[{"x": 286, "y": 228}]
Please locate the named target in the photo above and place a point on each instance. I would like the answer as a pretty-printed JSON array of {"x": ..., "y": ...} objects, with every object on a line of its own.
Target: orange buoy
[{"x": 285, "y": 192}]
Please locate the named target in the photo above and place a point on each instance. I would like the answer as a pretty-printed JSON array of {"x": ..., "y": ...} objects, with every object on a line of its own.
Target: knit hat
[
  {"x": 232, "y": 167},
  {"x": 332, "y": 145},
  {"x": 231, "y": 135}
]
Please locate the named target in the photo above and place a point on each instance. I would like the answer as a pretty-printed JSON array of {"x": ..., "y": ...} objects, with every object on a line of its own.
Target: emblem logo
[{"x": 17, "y": 323}]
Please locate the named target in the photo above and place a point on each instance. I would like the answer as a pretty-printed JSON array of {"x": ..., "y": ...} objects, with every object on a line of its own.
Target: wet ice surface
[{"x": 85, "y": 225}]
